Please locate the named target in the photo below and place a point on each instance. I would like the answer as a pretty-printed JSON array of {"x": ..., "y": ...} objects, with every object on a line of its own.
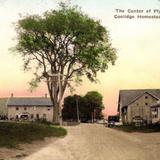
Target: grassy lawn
[
  {"x": 14, "y": 133},
  {"x": 146, "y": 129}
]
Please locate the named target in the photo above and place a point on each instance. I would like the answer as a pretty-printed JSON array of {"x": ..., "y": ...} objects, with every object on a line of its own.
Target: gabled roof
[
  {"x": 29, "y": 101},
  {"x": 141, "y": 96},
  {"x": 128, "y": 96}
]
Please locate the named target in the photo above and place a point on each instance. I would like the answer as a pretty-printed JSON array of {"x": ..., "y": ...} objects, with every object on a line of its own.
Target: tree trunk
[
  {"x": 56, "y": 92},
  {"x": 56, "y": 117}
]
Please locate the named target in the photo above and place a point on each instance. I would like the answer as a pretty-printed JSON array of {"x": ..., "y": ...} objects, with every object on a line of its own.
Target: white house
[{"x": 30, "y": 108}]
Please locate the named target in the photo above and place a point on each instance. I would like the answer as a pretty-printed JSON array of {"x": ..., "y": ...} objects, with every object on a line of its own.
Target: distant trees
[
  {"x": 89, "y": 107},
  {"x": 93, "y": 101},
  {"x": 69, "y": 111}
]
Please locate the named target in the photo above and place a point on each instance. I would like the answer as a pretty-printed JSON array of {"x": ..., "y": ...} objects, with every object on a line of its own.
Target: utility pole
[
  {"x": 94, "y": 115},
  {"x": 77, "y": 109}
]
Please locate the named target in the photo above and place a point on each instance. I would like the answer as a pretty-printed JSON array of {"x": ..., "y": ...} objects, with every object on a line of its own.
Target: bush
[
  {"x": 43, "y": 121},
  {"x": 145, "y": 129}
]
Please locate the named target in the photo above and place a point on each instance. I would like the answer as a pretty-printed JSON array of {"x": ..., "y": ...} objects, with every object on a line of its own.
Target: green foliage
[
  {"x": 94, "y": 102},
  {"x": 34, "y": 83},
  {"x": 12, "y": 133},
  {"x": 89, "y": 104},
  {"x": 65, "y": 38},
  {"x": 144, "y": 129},
  {"x": 94, "y": 98},
  {"x": 69, "y": 108},
  {"x": 43, "y": 121}
]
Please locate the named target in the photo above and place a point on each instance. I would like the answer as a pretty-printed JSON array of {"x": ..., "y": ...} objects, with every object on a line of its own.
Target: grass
[
  {"x": 14, "y": 133},
  {"x": 144, "y": 129}
]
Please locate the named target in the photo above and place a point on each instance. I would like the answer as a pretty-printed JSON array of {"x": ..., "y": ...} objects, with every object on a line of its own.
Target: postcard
[{"x": 79, "y": 79}]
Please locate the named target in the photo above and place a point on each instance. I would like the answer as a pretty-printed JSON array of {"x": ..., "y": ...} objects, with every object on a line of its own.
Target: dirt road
[{"x": 96, "y": 142}]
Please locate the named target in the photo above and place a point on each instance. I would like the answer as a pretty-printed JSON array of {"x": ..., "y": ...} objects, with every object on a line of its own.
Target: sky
[{"x": 136, "y": 41}]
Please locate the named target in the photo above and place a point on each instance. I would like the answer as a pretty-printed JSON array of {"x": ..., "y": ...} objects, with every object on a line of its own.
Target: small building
[
  {"x": 3, "y": 107},
  {"x": 155, "y": 113},
  {"x": 30, "y": 108},
  {"x": 136, "y": 104}
]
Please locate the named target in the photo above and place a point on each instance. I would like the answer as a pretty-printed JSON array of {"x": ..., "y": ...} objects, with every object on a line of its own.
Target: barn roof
[
  {"x": 128, "y": 96},
  {"x": 29, "y": 101}
]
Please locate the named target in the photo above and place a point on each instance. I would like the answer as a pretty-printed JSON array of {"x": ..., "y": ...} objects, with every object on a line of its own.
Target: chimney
[
  {"x": 11, "y": 94},
  {"x": 45, "y": 95}
]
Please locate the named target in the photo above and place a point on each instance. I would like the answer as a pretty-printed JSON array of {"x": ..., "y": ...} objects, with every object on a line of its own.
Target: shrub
[{"x": 43, "y": 121}]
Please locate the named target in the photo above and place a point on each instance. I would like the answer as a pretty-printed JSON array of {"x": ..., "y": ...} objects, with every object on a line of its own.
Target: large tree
[
  {"x": 94, "y": 103},
  {"x": 61, "y": 45},
  {"x": 73, "y": 107}
]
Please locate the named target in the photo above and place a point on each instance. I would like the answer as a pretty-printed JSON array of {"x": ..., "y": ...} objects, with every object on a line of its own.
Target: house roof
[
  {"x": 128, "y": 96},
  {"x": 29, "y": 101}
]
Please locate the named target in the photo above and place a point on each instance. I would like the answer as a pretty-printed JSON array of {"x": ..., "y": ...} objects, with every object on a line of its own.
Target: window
[
  {"x": 155, "y": 112},
  {"x": 25, "y": 108},
  {"x": 17, "y": 117},
  {"x": 44, "y": 116},
  {"x": 155, "y": 116},
  {"x": 32, "y": 116},
  {"x": 146, "y": 97},
  {"x": 37, "y": 116},
  {"x": 156, "y": 109},
  {"x": 49, "y": 109},
  {"x": 146, "y": 104},
  {"x": 17, "y": 108}
]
